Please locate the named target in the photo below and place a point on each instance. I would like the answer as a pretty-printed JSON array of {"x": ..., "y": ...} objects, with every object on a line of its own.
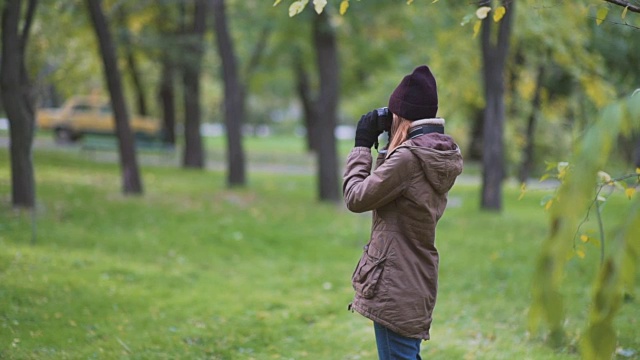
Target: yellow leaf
[
  {"x": 601, "y": 14},
  {"x": 584, "y": 238},
  {"x": 580, "y": 253},
  {"x": 547, "y": 206},
  {"x": 638, "y": 171},
  {"x": 523, "y": 190},
  {"x": 482, "y": 12},
  {"x": 629, "y": 192},
  {"x": 544, "y": 177},
  {"x": 319, "y": 5},
  {"x": 500, "y": 11},
  {"x": 297, "y": 7},
  {"x": 277, "y": 2},
  {"x": 344, "y": 5},
  {"x": 476, "y": 28},
  {"x": 409, "y": 2},
  {"x": 624, "y": 12},
  {"x": 434, "y": 1}
]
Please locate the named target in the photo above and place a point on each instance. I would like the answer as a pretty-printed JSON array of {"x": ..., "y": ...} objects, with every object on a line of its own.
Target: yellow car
[{"x": 82, "y": 115}]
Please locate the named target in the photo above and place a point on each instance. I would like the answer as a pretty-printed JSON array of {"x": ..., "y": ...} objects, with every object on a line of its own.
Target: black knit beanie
[{"x": 416, "y": 97}]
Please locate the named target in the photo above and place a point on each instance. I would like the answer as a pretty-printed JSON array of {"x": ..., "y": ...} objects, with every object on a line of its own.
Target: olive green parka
[{"x": 396, "y": 279}]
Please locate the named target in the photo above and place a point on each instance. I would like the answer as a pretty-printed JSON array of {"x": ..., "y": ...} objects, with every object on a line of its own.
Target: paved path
[{"x": 217, "y": 163}]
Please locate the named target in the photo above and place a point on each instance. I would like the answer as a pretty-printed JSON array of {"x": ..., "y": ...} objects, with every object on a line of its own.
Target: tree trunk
[
  {"x": 192, "y": 68},
  {"x": 131, "y": 182},
  {"x": 132, "y": 64},
  {"x": 494, "y": 58},
  {"x": 308, "y": 105},
  {"x": 166, "y": 94},
  {"x": 475, "y": 144},
  {"x": 18, "y": 100},
  {"x": 137, "y": 82},
  {"x": 638, "y": 153},
  {"x": 234, "y": 103},
  {"x": 327, "y": 59},
  {"x": 527, "y": 155}
]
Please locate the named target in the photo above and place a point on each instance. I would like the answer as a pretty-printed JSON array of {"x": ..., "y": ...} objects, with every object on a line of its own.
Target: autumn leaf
[
  {"x": 476, "y": 28},
  {"x": 277, "y": 2},
  {"x": 523, "y": 190},
  {"x": 482, "y": 12},
  {"x": 547, "y": 206},
  {"x": 297, "y": 7},
  {"x": 638, "y": 171},
  {"x": 624, "y": 12},
  {"x": 500, "y": 11},
  {"x": 319, "y": 5},
  {"x": 604, "y": 177},
  {"x": 584, "y": 238},
  {"x": 601, "y": 15},
  {"x": 344, "y": 5},
  {"x": 629, "y": 192},
  {"x": 409, "y": 2}
]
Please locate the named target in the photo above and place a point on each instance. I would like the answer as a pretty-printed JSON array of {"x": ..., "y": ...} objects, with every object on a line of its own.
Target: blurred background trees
[{"x": 248, "y": 66}]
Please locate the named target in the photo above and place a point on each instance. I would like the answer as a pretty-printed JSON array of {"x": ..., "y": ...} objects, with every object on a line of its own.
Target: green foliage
[{"x": 575, "y": 196}]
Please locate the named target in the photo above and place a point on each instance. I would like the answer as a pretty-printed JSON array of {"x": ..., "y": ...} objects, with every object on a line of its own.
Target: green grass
[{"x": 193, "y": 270}]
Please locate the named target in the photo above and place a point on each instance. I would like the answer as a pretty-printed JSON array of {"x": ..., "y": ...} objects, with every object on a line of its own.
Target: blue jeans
[{"x": 392, "y": 346}]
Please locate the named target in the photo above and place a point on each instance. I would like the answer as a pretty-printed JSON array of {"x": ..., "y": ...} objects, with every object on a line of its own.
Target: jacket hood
[{"x": 440, "y": 158}]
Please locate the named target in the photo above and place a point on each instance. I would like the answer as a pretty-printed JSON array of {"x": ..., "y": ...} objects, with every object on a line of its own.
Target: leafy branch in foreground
[{"x": 574, "y": 197}]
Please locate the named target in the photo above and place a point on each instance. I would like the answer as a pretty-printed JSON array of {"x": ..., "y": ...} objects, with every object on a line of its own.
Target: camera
[{"x": 385, "y": 118}]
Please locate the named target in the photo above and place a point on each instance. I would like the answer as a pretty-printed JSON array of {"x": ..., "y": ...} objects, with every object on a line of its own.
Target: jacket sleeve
[{"x": 364, "y": 190}]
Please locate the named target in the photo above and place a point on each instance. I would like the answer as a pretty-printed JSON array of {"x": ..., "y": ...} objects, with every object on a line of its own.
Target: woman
[{"x": 396, "y": 279}]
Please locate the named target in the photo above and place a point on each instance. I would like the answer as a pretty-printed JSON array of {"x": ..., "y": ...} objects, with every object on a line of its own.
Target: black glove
[{"x": 367, "y": 130}]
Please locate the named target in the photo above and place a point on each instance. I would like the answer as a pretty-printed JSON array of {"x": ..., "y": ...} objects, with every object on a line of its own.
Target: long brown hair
[{"x": 399, "y": 131}]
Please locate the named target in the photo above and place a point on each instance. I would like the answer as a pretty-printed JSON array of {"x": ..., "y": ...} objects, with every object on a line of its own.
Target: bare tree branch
[{"x": 626, "y": 4}]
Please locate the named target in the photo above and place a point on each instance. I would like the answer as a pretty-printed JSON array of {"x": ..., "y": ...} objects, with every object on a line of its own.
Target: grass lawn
[{"x": 193, "y": 270}]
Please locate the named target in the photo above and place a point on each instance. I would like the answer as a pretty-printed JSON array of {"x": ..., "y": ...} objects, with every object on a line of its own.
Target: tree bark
[
  {"x": 194, "y": 156},
  {"x": 309, "y": 105},
  {"x": 132, "y": 64},
  {"x": 638, "y": 153},
  {"x": 327, "y": 105},
  {"x": 234, "y": 103},
  {"x": 494, "y": 59},
  {"x": 131, "y": 182},
  {"x": 475, "y": 144},
  {"x": 527, "y": 154},
  {"x": 166, "y": 94},
  {"x": 137, "y": 82},
  {"x": 18, "y": 99}
]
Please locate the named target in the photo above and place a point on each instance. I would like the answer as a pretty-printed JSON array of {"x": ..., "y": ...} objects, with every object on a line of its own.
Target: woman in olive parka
[{"x": 396, "y": 279}]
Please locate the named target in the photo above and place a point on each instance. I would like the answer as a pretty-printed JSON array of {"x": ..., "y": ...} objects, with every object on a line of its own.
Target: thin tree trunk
[
  {"x": 131, "y": 182},
  {"x": 132, "y": 64},
  {"x": 527, "y": 155},
  {"x": 475, "y": 143},
  {"x": 308, "y": 105},
  {"x": 137, "y": 82},
  {"x": 638, "y": 153},
  {"x": 18, "y": 100},
  {"x": 234, "y": 104},
  {"x": 167, "y": 100},
  {"x": 494, "y": 59},
  {"x": 328, "y": 66},
  {"x": 194, "y": 151}
]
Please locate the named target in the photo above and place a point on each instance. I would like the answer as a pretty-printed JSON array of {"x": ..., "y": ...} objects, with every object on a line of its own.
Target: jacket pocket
[{"x": 367, "y": 275}]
